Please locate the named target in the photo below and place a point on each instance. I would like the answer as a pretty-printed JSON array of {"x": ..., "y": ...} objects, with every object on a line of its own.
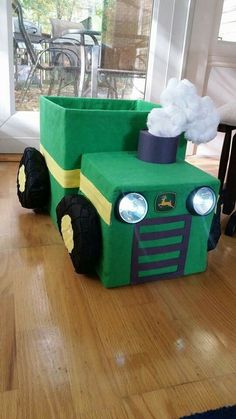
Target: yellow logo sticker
[{"x": 165, "y": 201}]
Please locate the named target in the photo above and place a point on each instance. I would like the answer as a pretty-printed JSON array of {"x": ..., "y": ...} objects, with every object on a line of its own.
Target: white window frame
[
  {"x": 170, "y": 23},
  {"x": 6, "y": 52}
]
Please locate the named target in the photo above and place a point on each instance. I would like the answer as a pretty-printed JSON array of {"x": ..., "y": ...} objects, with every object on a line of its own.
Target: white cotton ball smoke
[
  {"x": 183, "y": 95},
  {"x": 200, "y": 132},
  {"x": 204, "y": 128},
  {"x": 167, "y": 95},
  {"x": 166, "y": 122},
  {"x": 158, "y": 123},
  {"x": 176, "y": 91},
  {"x": 184, "y": 111}
]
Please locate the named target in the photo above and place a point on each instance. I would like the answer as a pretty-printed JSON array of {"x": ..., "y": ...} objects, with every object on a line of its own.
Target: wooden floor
[{"x": 71, "y": 349}]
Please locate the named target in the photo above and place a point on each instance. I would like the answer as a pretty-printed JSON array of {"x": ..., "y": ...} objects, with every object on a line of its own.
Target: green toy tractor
[{"x": 129, "y": 220}]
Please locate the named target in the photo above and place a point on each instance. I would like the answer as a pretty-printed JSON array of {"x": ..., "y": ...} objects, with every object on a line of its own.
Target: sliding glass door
[
  {"x": 122, "y": 30},
  {"x": 142, "y": 43}
]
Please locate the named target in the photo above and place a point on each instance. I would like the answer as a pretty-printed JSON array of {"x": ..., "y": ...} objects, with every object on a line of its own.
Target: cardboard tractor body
[{"x": 90, "y": 151}]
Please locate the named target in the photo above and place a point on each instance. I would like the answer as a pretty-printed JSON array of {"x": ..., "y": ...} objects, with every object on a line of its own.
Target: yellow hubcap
[
  {"x": 67, "y": 232},
  {"x": 22, "y": 178}
]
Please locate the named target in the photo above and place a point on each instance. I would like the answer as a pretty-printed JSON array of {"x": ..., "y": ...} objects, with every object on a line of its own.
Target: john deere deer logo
[{"x": 165, "y": 201}]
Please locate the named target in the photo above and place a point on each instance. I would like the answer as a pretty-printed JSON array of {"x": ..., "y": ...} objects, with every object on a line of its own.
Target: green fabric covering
[
  {"x": 73, "y": 127},
  {"x": 116, "y": 173},
  {"x": 122, "y": 170}
]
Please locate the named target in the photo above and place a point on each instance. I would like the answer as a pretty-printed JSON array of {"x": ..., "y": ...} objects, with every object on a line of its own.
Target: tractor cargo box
[{"x": 70, "y": 127}]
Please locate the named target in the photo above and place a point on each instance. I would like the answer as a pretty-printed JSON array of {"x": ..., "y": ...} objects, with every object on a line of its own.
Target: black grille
[{"x": 157, "y": 260}]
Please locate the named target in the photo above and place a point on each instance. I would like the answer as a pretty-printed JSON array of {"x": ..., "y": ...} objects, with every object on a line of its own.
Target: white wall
[
  {"x": 167, "y": 45},
  {"x": 19, "y": 131},
  {"x": 221, "y": 86},
  {"x": 211, "y": 64}
]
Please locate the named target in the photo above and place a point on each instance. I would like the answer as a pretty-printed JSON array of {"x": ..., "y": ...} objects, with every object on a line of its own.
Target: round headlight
[
  {"x": 201, "y": 201},
  {"x": 132, "y": 208}
]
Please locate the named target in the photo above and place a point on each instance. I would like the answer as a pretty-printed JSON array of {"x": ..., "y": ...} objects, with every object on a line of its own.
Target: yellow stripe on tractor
[
  {"x": 102, "y": 205},
  {"x": 66, "y": 178}
]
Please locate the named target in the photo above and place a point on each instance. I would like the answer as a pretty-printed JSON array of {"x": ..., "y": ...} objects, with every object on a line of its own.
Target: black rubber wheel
[
  {"x": 231, "y": 225},
  {"x": 215, "y": 230},
  {"x": 33, "y": 187},
  {"x": 79, "y": 225}
]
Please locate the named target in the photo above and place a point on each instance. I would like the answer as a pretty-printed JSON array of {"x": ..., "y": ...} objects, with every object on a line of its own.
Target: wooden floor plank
[
  {"x": 7, "y": 157},
  {"x": 191, "y": 397},
  {"x": 9, "y": 405},
  {"x": 8, "y": 361},
  {"x": 172, "y": 403},
  {"x": 93, "y": 386},
  {"x": 44, "y": 385}
]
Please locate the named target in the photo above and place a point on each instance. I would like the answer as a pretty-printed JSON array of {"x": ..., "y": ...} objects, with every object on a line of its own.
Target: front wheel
[{"x": 79, "y": 225}]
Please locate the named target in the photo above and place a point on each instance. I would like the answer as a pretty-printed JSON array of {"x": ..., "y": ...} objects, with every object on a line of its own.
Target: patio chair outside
[
  {"x": 88, "y": 38},
  {"x": 53, "y": 57}
]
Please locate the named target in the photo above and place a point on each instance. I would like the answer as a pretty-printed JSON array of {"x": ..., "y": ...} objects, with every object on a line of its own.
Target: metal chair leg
[
  {"x": 75, "y": 83},
  {"x": 51, "y": 84},
  {"x": 28, "y": 82},
  {"x": 82, "y": 70},
  {"x": 61, "y": 79}
]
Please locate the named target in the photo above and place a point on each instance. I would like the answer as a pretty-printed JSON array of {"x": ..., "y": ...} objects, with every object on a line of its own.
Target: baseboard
[{"x": 6, "y": 157}]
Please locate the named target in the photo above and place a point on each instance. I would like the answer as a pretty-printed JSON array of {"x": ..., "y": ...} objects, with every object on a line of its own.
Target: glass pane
[
  {"x": 47, "y": 64},
  {"x": 125, "y": 40},
  {"x": 227, "y": 30}
]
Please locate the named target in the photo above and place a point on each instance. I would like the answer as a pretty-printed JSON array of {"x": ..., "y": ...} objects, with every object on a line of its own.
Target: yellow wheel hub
[
  {"x": 67, "y": 232},
  {"x": 22, "y": 178}
]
